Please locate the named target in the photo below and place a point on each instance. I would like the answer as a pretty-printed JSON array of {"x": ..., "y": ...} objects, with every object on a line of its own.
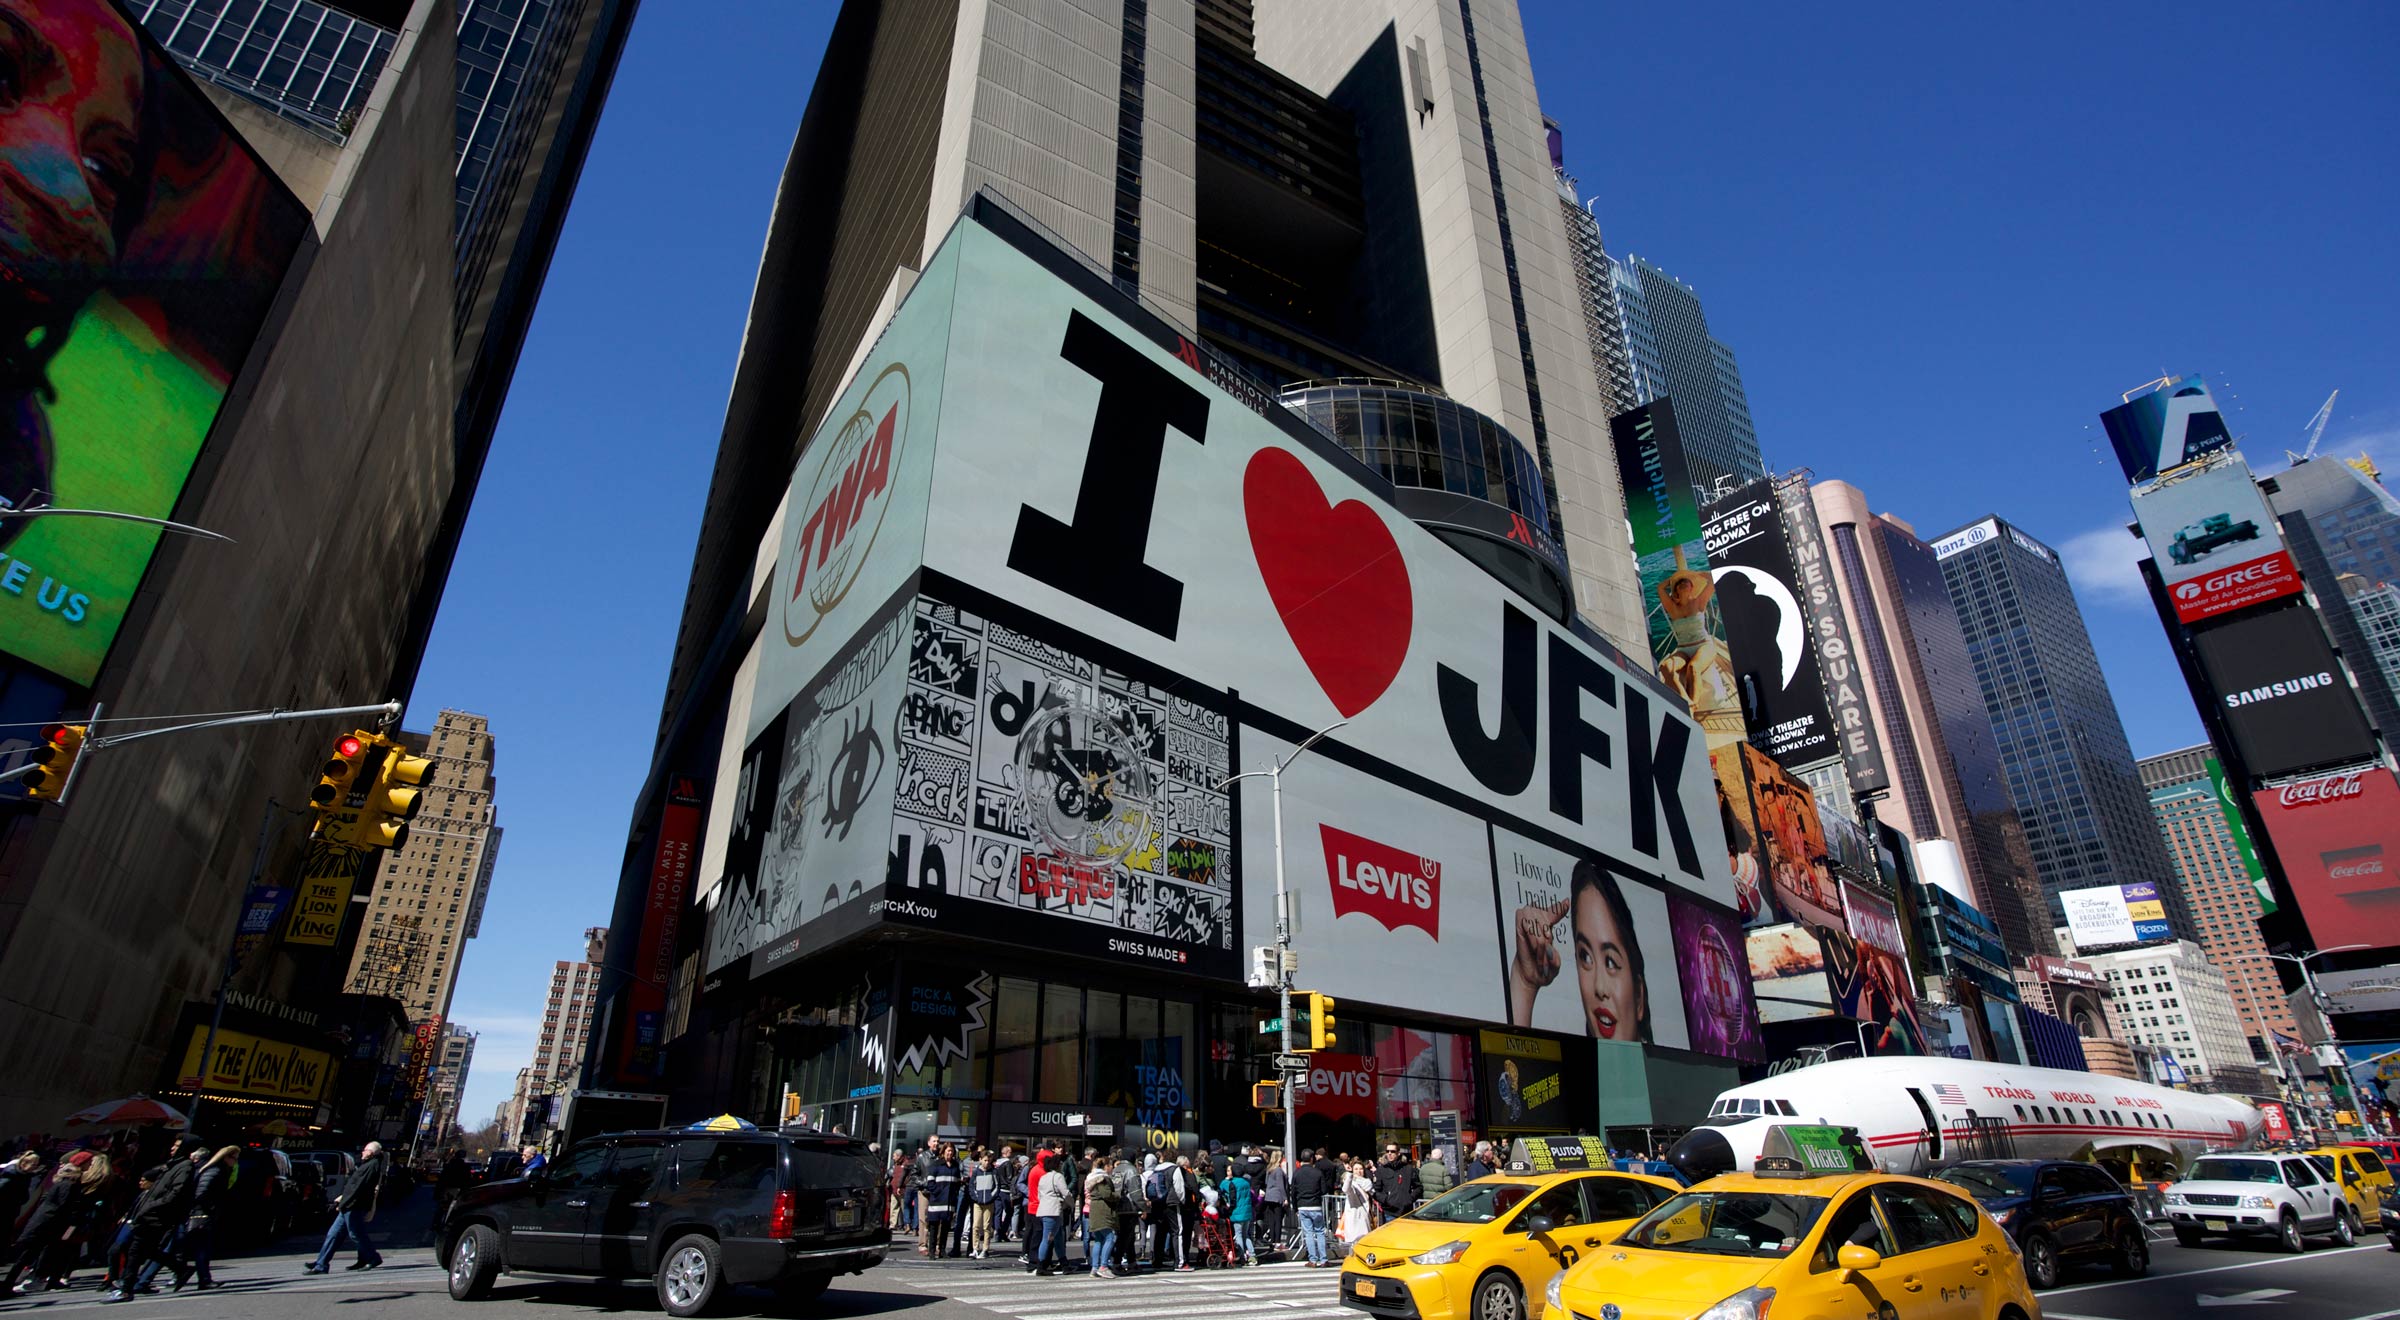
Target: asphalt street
[{"x": 2245, "y": 1281}]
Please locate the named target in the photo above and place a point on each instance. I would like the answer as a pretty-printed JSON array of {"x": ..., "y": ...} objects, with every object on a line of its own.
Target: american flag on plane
[{"x": 1948, "y": 1094}]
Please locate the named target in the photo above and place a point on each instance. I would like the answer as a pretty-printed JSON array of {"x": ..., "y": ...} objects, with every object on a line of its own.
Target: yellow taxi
[
  {"x": 1795, "y": 1245},
  {"x": 2363, "y": 1177},
  {"x": 1486, "y": 1250}
]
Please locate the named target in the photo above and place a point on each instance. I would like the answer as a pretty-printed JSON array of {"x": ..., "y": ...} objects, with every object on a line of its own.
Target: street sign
[
  {"x": 1291, "y": 1063},
  {"x": 1270, "y": 1027}
]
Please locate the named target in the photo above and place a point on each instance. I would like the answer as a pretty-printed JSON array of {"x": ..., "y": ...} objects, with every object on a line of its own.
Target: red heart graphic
[{"x": 1335, "y": 575}]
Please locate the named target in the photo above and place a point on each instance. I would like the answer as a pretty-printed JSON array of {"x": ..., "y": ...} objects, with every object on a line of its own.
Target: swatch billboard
[
  {"x": 2215, "y": 541},
  {"x": 141, "y": 247},
  {"x": 2338, "y": 838}
]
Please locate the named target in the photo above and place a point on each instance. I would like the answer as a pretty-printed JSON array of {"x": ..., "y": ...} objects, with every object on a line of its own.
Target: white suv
[{"x": 2261, "y": 1193}]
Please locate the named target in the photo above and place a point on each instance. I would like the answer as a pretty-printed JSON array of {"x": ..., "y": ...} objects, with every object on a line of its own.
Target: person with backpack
[
  {"x": 1103, "y": 1208},
  {"x": 1160, "y": 1189},
  {"x": 983, "y": 1194},
  {"x": 1127, "y": 1180}
]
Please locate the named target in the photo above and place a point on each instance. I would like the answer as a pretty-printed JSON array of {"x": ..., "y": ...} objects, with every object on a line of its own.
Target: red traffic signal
[
  {"x": 341, "y": 770},
  {"x": 61, "y": 745},
  {"x": 345, "y": 748}
]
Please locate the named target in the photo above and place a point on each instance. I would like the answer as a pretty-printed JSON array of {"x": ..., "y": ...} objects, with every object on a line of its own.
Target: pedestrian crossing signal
[
  {"x": 1266, "y": 1095},
  {"x": 60, "y": 745}
]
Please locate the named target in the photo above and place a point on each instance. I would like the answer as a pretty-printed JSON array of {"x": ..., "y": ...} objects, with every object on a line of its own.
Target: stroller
[{"x": 1215, "y": 1247}]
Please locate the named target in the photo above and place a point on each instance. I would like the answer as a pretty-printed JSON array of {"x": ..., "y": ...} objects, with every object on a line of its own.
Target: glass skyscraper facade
[
  {"x": 2087, "y": 817},
  {"x": 1669, "y": 353},
  {"x": 296, "y": 58}
]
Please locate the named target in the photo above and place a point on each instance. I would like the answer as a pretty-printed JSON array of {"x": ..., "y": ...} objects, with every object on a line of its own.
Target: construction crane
[{"x": 2316, "y": 428}]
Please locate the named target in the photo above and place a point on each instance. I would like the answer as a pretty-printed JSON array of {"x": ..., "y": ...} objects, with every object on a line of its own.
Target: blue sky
[{"x": 1940, "y": 242}]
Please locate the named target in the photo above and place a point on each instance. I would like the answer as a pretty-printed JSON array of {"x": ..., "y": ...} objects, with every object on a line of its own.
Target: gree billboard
[
  {"x": 1043, "y": 587},
  {"x": 2215, "y": 542},
  {"x": 141, "y": 245}
]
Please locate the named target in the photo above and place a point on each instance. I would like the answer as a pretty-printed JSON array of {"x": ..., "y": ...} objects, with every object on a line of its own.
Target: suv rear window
[
  {"x": 837, "y": 1166},
  {"x": 731, "y": 1166}
]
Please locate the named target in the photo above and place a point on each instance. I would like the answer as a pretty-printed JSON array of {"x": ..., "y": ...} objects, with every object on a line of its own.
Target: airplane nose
[{"x": 1703, "y": 1153}]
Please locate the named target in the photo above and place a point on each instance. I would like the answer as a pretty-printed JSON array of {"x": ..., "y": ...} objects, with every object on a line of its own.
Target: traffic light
[
  {"x": 393, "y": 798},
  {"x": 340, "y": 772},
  {"x": 1320, "y": 1021},
  {"x": 1266, "y": 1095},
  {"x": 60, "y": 745}
]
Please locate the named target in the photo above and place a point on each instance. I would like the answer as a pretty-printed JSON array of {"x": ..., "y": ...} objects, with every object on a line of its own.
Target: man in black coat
[
  {"x": 1314, "y": 1179},
  {"x": 157, "y": 1222},
  {"x": 352, "y": 1208},
  {"x": 1396, "y": 1185}
]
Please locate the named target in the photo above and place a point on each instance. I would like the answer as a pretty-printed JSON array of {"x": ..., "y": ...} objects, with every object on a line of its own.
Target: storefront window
[
  {"x": 1013, "y": 1039},
  {"x": 1061, "y": 1080},
  {"x": 1107, "y": 1063}
]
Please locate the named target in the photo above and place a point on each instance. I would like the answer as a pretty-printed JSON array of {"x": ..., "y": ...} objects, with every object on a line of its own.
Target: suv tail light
[{"x": 783, "y": 1220}]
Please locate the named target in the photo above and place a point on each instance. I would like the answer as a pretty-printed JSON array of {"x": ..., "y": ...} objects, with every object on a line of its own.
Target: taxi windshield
[
  {"x": 1743, "y": 1223},
  {"x": 1478, "y": 1202}
]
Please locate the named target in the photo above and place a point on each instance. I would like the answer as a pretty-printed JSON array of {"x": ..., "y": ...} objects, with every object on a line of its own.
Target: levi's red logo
[{"x": 1394, "y": 887}]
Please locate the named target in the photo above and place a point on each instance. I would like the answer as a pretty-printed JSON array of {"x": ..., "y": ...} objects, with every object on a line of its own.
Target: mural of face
[
  {"x": 70, "y": 107},
  {"x": 1608, "y": 968}
]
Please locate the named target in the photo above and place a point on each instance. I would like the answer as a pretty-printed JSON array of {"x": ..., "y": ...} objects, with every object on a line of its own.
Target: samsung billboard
[
  {"x": 2280, "y": 692},
  {"x": 1043, "y": 587}
]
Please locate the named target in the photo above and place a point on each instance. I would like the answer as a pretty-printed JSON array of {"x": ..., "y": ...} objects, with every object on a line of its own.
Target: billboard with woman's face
[{"x": 141, "y": 246}]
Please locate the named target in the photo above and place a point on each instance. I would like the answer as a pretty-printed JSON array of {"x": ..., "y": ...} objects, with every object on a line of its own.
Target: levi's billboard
[
  {"x": 2215, "y": 543},
  {"x": 2338, "y": 838},
  {"x": 1091, "y": 526}
]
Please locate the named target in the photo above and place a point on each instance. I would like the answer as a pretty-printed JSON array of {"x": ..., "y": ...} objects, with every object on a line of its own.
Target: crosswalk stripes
[{"x": 1285, "y": 1292}]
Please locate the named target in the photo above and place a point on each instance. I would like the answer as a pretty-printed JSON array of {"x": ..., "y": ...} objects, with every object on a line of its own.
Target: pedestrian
[
  {"x": 208, "y": 1198},
  {"x": 1083, "y": 1173},
  {"x": 954, "y": 1233},
  {"x": 1050, "y": 1204},
  {"x": 354, "y": 1209},
  {"x": 1241, "y": 1206},
  {"x": 1485, "y": 1163},
  {"x": 535, "y": 1160},
  {"x": 1218, "y": 1163},
  {"x": 1396, "y": 1185},
  {"x": 20, "y": 1184},
  {"x": 1005, "y": 1173},
  {"x": 1358, "y": 1199},
  {"x": 157, "y": 1223},
  {"x": 896, "y": 1189},
  {"x": 1103, "y": 1206},
  {"x": 1274, "y": 1199},
  {"x": 1309, "y": 1189},
  {"x": 1158, "y": 1197},
  {"x": 1187, "y": 1208},
  {"x": 50, "y": 1225},
  {"x": 941, "y": 1198},
  {"x": 1433, "y": 1176},
  {"x": 983, "y": 1191},
  {"x": 1131, "y": 1206}
]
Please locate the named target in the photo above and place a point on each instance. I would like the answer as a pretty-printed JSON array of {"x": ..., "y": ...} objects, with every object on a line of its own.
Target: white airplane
[{"x": 1914, "y": 1113}]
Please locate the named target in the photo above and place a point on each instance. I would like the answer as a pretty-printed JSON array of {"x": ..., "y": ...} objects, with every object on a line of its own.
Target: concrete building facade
[
  {"x": 427, "y": 897},
  {"x": 330, "y": 463},
  {"x": 2217, "y": 887},
  {"x": 567, "y": 1015},
  {"x": 2172, "y": 998},
  {"x": 440, "y": 1125},
  {"x": 2062, "y": 746},
  {"x": 1929, "y": 711}
]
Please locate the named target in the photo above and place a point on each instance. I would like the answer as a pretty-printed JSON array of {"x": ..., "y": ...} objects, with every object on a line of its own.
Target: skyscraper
[
  {"x": 449, "y": 1083},
  {"x": 428, "y": 895},
  {"x": 567, "y": 1015},
  {"x": 2062, "y": 747},
  {"x": 1669, "y": 352},
  {"x": 2218, "y": 888},
  {"x": 1929, "y": 710}
]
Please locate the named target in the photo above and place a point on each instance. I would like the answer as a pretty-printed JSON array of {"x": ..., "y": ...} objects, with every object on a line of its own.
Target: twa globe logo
[
  {"x": 2332, "y": 788},
  {"x": 846, "y": 503}
]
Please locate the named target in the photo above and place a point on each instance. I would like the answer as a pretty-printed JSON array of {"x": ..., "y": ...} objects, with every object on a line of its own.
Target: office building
[
  {"x": 529, "y": 82},
  {"x": 338, "y": 253},
  {"x": 1928, "y": 708},
  {"x": 2356, "y": 520},
  {"x": 2172, "y": 998},
  {"x": 2219, "y": 890},
  {"x": 440, "y": 1124},
  {"x": 1669, "y": 353},
  {"x": 427, "y": 896},
  {"x": 2376, "y": 607},
  {"x": 1595, "y": 281},
  {"x": 567, "y": 1016},
  {"x": 2061, "y": 745}
]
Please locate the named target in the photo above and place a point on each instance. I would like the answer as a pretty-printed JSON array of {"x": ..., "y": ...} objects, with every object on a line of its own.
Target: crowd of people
[
  {"x": 1224, "y": 1206},
  {"x": 90, "y": 1206}
]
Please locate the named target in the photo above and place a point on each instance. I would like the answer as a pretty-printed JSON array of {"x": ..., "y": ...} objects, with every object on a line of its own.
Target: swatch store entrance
[{"x": 917, "y": 1048}]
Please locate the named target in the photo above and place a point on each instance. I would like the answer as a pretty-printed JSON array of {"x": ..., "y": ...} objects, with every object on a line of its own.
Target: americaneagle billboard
[
  {"x": 1039, "y": 577},
  {"x": 2175, "y": 424}
]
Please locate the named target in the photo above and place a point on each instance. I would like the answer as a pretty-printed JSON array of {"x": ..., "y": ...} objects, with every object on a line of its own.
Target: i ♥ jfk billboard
[{"x": 1042, "y": 586}]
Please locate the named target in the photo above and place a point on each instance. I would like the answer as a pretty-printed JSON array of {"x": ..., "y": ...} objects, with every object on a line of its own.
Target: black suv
[
  {"x": 700, "y": 1212},
  {"x": 2059, "y": 1212}
]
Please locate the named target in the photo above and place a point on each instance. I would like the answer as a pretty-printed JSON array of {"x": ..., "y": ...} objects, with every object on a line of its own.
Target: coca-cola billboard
[{"x": 2338, "y": 838}]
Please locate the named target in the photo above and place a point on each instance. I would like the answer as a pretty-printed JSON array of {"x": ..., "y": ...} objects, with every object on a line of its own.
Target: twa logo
[
  {"x": 1394, "y": 887},
  {"x": 2332, "y": 788},
  {"x": 845, "y": 506}
]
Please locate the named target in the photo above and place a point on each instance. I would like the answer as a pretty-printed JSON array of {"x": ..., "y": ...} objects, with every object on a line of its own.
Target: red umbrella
[{"x": 132, "y": 1111}]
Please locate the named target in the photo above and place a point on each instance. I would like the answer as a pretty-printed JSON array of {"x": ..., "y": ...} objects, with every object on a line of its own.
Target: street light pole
[{"x": 1283, "y": 927}]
